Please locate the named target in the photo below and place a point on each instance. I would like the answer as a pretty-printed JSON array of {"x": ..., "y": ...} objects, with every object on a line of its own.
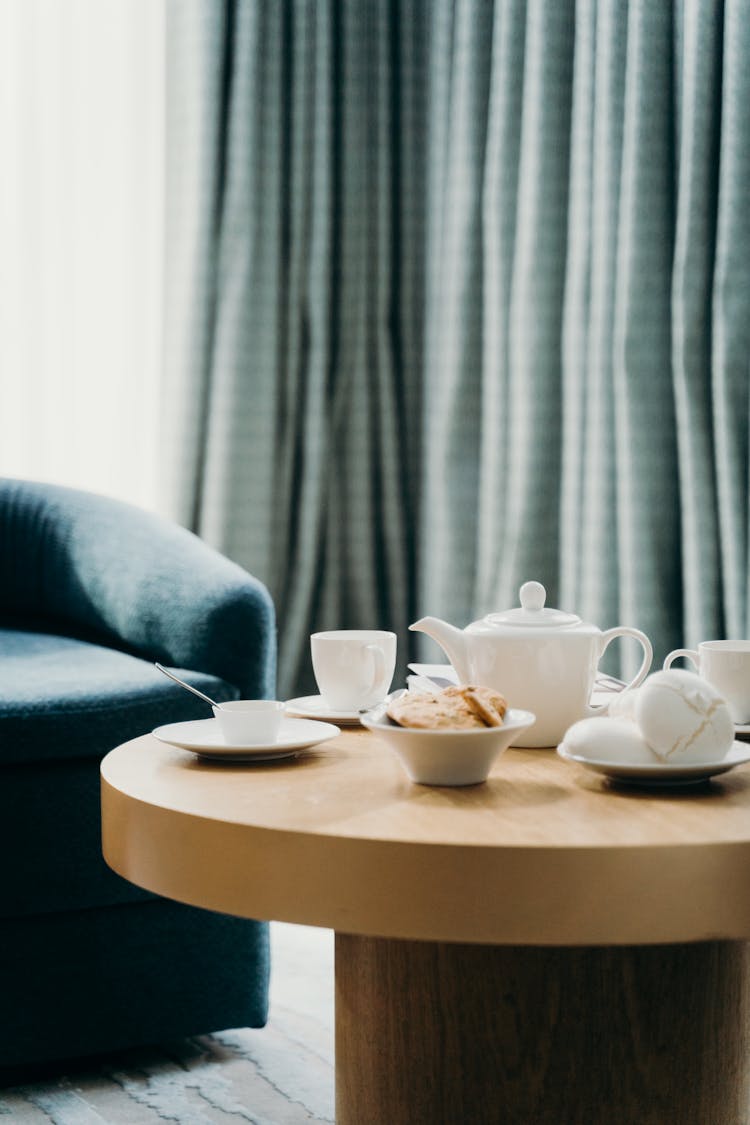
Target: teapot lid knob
[
  {"x": 533, "y": 596},
  {"x": 532, "y": 611}
]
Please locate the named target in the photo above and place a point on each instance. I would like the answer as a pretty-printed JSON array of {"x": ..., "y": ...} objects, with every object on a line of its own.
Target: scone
[
  {"x": 463, "y": 707},
  {"x": 488, "y": 704}
]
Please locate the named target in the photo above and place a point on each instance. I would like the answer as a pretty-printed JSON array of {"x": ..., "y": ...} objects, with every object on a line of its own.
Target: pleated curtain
[{"x": 458, "y": 295}]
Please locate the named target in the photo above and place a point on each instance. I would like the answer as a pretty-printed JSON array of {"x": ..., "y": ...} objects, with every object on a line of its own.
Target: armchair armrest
[{"x": 78, "y": 560}]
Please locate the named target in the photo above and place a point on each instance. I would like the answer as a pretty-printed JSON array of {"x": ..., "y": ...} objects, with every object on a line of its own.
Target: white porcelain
[
  {"x": 316, "y": 707},
  {"x": 542, "y": 660},
  {"x": 623, "y": 705},
  {"x": 726, "y": 666},
  {"x": 606, "y": 687},
  {"x": 447, "y": 757},
  {"x": 657, "y": 772},
  {"x": 682, "y": 717},
  {"x": 353, "y": 667},
  {"x": 205, "y": 737},
  {"x": 609, "y": 740},
  {"x": 249, "y": 722}
]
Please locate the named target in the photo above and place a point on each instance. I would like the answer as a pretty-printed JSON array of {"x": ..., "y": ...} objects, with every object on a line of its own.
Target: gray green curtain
[{"x": 458, "y": 295}]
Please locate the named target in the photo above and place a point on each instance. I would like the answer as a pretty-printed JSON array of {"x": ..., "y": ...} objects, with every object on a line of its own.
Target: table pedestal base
[{"x": 441, "y": 1034}]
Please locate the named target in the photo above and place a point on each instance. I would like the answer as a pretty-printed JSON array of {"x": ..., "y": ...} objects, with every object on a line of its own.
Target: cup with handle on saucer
[
  {"x": 726, "y": 666},
  {"x": 353, "y": 667}
]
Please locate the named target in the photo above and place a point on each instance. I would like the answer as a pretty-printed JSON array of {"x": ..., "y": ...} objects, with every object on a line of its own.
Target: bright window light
[{"x": 81, "y": 245}]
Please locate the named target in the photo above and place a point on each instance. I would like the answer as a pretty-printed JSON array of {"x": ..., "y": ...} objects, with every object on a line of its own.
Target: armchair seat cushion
[
  {"x": 66, "y": 698},
  {"x": 64, "y": 703}
]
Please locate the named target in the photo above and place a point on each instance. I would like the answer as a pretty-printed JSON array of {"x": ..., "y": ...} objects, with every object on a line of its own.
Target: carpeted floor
[{"x": 280, "y": 1075}]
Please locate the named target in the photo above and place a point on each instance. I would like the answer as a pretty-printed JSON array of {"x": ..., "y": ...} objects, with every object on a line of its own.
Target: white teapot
[{"x": 541, "y": 660}]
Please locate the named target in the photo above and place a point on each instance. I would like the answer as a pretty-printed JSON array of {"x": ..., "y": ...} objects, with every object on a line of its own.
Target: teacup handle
[
  {"x": 688, "y": 653},
  {"x": 648, "y": 653},
  {"x": 378, "y": 667}
]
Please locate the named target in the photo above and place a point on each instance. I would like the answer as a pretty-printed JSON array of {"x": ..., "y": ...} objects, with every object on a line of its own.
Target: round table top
[{"x": 543, "y": 853}]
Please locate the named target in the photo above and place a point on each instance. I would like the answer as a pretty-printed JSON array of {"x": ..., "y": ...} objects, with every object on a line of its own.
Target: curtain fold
[
  {"x": 699, "y": 103},
  {"x": 530, "y": 533},
  {"x": 647, "y": 499},
  {"x": 293, "y": 361},
  {"x": 459, "y": 76},
  {"x": 589, "y": 541},
  {"x": 731, "y": 318},
  {"x": 460, "y": 296}
]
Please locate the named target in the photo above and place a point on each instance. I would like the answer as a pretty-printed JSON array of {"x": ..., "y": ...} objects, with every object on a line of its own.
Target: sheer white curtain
[{"x": 81, "y": 246}]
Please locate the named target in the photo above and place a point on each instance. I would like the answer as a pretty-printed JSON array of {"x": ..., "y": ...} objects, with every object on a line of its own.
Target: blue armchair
[{"x": 92, "y": 591}]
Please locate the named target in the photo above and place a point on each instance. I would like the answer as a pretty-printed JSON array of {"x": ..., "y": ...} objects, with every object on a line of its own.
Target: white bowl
[
  {"x": 447, "y": 757},
  {"x": 250, "y": 722}
]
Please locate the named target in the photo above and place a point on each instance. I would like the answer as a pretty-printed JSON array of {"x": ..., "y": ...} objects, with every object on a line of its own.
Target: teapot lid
[{"x": 532, "y": 610}]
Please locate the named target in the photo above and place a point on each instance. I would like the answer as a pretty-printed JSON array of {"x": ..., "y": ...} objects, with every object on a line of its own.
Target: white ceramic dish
[
  {"x": 250, "y": 722},
  {"x": 204, "y": 737},
  {"x": 447, "y": 757},
  {"x": 660, "y": 773},
  {"x": 315, "y": 707}
]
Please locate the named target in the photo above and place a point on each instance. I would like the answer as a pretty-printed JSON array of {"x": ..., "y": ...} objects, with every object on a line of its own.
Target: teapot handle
[{"x": 605, "y": 640}]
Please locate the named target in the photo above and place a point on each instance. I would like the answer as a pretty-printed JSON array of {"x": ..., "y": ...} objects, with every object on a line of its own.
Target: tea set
[
  {"x": 651, "y": 730},
  {"x": 543, "y": 660}
]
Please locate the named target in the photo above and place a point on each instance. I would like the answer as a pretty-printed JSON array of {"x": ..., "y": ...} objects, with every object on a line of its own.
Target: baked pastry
[
  {"x": 490, "y": 705},
  {"x": 463, "y": 707}
]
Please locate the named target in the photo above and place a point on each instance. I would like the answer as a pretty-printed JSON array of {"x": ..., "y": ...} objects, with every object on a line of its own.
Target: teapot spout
[{"x": 450, "y": 639}]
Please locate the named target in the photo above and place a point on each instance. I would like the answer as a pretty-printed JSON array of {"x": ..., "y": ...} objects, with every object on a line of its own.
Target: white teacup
[
  {"x": 353, "y": 667},
  {"x": 250, "y": 722},
  {"x": 726, "y": 666}
]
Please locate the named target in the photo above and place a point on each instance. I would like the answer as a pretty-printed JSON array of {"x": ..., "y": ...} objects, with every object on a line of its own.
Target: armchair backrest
[{"x": 80, "y": 562}]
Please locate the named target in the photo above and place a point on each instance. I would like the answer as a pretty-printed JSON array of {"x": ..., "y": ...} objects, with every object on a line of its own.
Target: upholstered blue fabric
[
  {"x": 65, "y": 698},
  {"x": 92, "y": 592},
  {"x": 104, "y": 570},
  {"x": 146, "y": 973},
  {"x": 62, "y": 703}
]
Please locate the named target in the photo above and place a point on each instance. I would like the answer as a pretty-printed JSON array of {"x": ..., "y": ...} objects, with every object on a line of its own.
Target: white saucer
[
  {"x": 315, "y": 707},
  {"x": 204, "y": 737},
  {"x": 661, "y": 773}
]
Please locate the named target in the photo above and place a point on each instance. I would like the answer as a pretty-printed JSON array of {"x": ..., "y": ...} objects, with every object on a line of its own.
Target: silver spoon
[{"x": 188, "y": 687}]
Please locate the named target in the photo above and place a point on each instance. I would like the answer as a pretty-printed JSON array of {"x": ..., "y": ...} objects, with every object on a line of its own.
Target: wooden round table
[{"x": 543, "y": 949}]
